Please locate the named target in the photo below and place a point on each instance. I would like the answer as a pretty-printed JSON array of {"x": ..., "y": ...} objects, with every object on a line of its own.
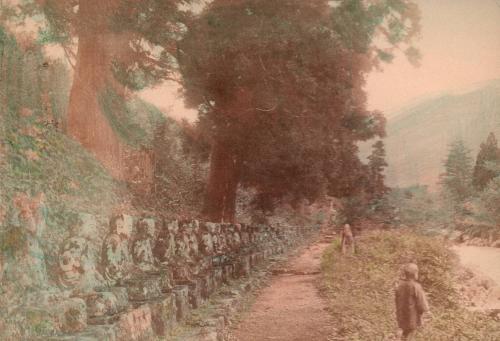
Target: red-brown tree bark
[
  {"x": 220, "y": 197},
  {"x": 98, "y": 46}
]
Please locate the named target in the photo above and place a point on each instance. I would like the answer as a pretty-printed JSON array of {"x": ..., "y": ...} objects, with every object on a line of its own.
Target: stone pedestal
[
  {"x": 245, "y": 266},
  {"x": 105, "y": 304},
  {"x": 207, "y": 285},
  {"x": 181, "y": 294},
  {"x": 135, "y": 324},
  {"x": 218, "y": 277},
  {"x": 195, "y": 297},
  {"x": 267, "y": 253},
  {"x": 166, "y": 280},
  {"x": 92, "y": 333},
  {"x": 67, "y": 316},
  {"x": 163, "y": 314},
  {"x": 144, "y": 288},
  {"x": 194, "y": 292},
  {"x": 253, "y": 260},
  {"x": 228, "y": 273}
]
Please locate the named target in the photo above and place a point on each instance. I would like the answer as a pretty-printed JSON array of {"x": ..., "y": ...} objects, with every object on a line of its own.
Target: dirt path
[
  {"x": 290, "y": 308},
  {"x": 484, "y": 261}
]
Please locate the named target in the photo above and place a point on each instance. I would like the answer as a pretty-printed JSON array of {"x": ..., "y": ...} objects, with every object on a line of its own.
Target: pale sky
[{"x": 460, "y": 44}]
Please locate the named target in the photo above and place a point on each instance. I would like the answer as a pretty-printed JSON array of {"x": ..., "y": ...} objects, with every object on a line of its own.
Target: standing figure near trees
[
  {"x": 411, "y": 302},
  {"x": 347, "y": 239}
]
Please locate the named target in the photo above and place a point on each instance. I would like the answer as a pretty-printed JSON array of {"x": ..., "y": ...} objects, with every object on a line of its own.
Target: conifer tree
[
  {"x": 488, "y": 152},
  {"x": 377, "y": 165},
  {"x": 457, "y": 178}
]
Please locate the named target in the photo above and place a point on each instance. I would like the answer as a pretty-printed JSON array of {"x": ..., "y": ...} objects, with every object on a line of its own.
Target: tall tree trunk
[
  {"x": 98, "y": 46},
  {"x": 92, "y": 72},
  {"x": 220, "y": 198}
]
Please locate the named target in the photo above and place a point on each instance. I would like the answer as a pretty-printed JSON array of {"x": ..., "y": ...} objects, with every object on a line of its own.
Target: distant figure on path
[
  {"x": 411, "y": 302},
  {"x": 347, "y": 239}
]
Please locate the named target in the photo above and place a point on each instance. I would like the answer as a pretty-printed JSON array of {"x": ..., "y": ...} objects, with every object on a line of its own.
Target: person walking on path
[
  {"x": 411, "y": 302},
  {"x": 347, "y": 239}
]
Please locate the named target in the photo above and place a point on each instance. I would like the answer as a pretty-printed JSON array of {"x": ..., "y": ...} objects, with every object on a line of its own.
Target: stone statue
[
  {"x": 30, "y": 264},
  {"x": 228, "y": 233},
  {"x": 182, "y": 257},
  {"x": 142, "y": 250},
  {"x": 207, "y": 243},
  {"x": 237, "y": 238},
  {"x": 164, "y": 246},
  {"x": 116, "y": 260},
  {"x": 164, "y": 255},
  {"x": 194, "y": 251},
  {"x": 27, "y": 275},
  {"x": 214, "y": 232},
  {"x": 245, "y": 236},
  {"x": 194, "y": 246},
  {"x": 78, "y": 257},
  {"x": 72, "y": 259}
]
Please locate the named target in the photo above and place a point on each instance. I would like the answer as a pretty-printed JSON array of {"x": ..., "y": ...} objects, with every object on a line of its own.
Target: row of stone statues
[
  {"x": 143, "y": 269},
  {"x": 145, "y": 247}
]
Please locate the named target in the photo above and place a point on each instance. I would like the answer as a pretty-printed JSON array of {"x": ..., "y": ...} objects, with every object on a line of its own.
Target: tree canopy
[
  {"x": 279, "y": 86},
  {"x": 115, "y": 47}
]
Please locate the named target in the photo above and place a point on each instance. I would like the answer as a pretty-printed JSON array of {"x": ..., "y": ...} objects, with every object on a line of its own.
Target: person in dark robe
[{"x": 411, "y": 302}]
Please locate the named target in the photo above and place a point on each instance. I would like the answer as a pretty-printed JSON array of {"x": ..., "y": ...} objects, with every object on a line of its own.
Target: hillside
[{"x": 418, "y": 136}]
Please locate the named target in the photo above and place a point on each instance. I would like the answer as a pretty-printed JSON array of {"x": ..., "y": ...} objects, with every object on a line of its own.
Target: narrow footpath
[{"x": 290, "y": 308}]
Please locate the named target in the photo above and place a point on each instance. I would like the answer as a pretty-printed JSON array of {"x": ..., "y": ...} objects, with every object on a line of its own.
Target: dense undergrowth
[{"x": 360, "y": 289}]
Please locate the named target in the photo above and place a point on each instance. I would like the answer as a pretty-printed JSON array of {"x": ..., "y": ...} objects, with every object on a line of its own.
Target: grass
[{"x": 360, "y": 289}]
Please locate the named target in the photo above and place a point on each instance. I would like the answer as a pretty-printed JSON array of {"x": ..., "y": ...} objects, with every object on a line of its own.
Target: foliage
[
  {"x": 35, "y": 157},
  {"x": 457, "y": 178},
  {"x": 360, "y": 289},
  {"x": 134, "y": 120},
  {"x": 279, "y": 88},
  {"x": 377, "y": 165},
  {"x": 179, "y": 175},
  {"x": 144, "y": 31},
  {"x": 490, "y": 199},
  {"x": 31, "y": 81},
  {"x": 473, "y": 196},
  {"x": 489, "y": 152},
  {"x": 416, "y": 206}
]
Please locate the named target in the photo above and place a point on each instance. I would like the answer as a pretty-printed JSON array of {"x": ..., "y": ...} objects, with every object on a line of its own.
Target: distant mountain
[{"x": 418, "y": 136}]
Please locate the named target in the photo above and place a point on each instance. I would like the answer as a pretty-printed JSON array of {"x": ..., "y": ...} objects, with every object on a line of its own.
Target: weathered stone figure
[
  {"x": 214, "y": 231},
  {"x": 76, "y": 268},
  {"x": 206, "y": 249},
  {"x": 163, "y": 253},
  {"x": 194, "y": 251},
  {"x": 30, "y": 265},
  {"x": 245, "y": 236},
  {"x": 182, "y": 257},
  {"x": 142, "y": 250},
  {"x": 116, "y": 260},
  {"x": 411, "y": 302},
  {"x": 164, "y": 247},
  {"x": 237, "y": 237},
  {"x": 347, "y": 241}
]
